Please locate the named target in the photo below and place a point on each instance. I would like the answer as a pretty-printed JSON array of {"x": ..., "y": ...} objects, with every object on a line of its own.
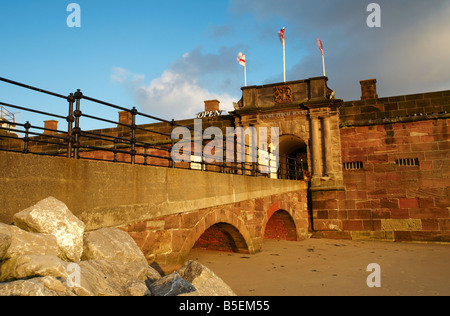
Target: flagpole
[
  {"x": 284, "y": 60},
  {"x": 245, "y": 73},
  {"x": 323, "y": 61}
]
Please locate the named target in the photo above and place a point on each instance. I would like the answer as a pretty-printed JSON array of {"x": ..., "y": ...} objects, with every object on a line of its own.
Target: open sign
[{"x": 209, "y": 114}]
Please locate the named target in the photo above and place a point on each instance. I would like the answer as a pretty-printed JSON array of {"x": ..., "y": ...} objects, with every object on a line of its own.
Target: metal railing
[{"x": 126, "y": 142}]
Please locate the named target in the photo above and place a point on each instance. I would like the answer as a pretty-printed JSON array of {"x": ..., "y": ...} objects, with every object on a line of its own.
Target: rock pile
[{"x": 48, "y": 253}]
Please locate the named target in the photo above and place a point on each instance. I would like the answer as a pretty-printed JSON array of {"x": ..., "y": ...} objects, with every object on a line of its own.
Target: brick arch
[
  {"x": 225, "y": 220},
  {"x": 222, "y": 237},
  {"x": 281, "y": 226},
  {"x": 280, "y": 217}
]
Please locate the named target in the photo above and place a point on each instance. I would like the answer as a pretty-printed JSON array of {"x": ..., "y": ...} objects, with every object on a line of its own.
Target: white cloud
[
  {"x": 174, "y": 96},
  {"x": 180, "y": 92}
]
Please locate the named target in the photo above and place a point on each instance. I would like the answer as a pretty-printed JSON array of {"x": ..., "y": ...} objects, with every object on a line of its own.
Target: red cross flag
[
  {"x": 319, "y": 42},
  {"x": 282, "y": 35},
  {"x": 242, "y": 62},
  {"x": 241, "y": 59}
]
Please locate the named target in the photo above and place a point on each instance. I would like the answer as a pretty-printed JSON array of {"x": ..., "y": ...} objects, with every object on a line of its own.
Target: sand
[{"x": 321, "y": 267}]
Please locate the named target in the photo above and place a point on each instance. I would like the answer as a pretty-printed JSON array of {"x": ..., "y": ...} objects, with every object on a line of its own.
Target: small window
[
  {"x": 353, "y": 165},
  {"x": 408, "y": 162}
]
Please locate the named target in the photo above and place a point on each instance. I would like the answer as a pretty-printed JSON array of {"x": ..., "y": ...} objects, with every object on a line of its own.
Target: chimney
[
  {"x": 369, "y": 89},
  {"x": 125, "y": 117},
  {"x": 50, "y": 125},
  {"x": 212, "y": 105}
]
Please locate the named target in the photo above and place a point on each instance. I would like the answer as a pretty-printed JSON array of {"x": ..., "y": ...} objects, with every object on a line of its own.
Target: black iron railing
[{"x": 127, "y": 142}]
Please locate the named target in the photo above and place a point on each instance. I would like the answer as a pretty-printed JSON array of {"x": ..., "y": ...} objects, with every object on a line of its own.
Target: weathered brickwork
[
  {"x": 168, "y": 240},
  {"x": 397, "y": 185}
]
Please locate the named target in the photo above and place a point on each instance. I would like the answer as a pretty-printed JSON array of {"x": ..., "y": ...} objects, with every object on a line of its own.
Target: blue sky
[{"x": 167, "y": 57}]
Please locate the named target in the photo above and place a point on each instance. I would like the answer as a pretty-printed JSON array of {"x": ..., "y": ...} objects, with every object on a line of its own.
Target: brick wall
[{"x": 395, "y": 153}]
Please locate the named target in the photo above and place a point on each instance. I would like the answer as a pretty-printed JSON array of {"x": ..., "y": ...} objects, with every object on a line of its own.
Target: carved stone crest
[{"x": 282, "y": 95}]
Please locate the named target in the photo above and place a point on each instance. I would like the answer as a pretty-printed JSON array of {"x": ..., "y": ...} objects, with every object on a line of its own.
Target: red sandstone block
[
  {"x": 325, "y": 204},
  {"x": 337, "y": 235},
  {"x": 333, "y": 214},
  {"x": 389, "y": 203},
  {"x": 426, "y": 165},
  {"x": 399, "y": 213},
  {"x": 324, "y": 225},
  {"x": 427, "y": 213},
  {"x": 352, "y": 225},
  {"x": 444, "y": 145},
  {"x": 430, "y": 224},
  {"x": 381, "y": 214},
  {"x": 444, "y": 224},
  {"x": 346, "y": 204},
  {"x": 342, "y": 214},
  {"x": 372, "y": 225},
  {"x": 426, "y": 202},
  {"x": 442, "y": 202},
  {"x": 357, "y": 195},
  {"x": 322, "y": 215},
  {"x": 380, "y": 158},
  {"x": 411, "y": 140},
  {"x": 348, "y": 131},
  {"x": 434, "y": 236},
  {"x": 424, "y": 147},
  {"x": 359, "y": 214},
  {"x": 408, "y": 203}
]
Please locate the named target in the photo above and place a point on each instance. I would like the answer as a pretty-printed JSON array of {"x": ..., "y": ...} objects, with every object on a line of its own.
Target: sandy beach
[{"x": 321, "y": 267}]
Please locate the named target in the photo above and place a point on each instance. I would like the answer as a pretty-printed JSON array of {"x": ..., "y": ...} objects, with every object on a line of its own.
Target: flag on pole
[
  {"x": 319, "y": 42},
  {"x": 282, "y": 35},
  {"x": 242, "y": 61},
  {"x": 283, "y": 41}
]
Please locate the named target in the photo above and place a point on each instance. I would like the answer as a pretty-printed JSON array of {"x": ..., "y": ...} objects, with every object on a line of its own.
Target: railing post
[
  {"x": 70, "y": 119},
  {"x": 115, "y": 149},
  {"x": 145, "y": 155},
  {"x": 171, "y": 162},
  {"x": 77, "y": 130},
  {"x": 27, "y": 138},
  {"x": 133, "y": 135}
]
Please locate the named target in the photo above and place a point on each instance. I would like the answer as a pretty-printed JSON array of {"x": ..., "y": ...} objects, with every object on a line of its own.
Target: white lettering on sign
[{"x": 209, "y": 114}]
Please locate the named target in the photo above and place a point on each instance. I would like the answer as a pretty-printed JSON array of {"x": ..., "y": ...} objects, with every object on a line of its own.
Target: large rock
[
  {"x": 25, "y": 243},
  {"x": 5, "y": 240},
  {"x": 112, "y": 244},
  {"x": 107, "y": 278},
  {"x": 51, "y": 216},
  {"x": 205, "y": 281},
  {"x": 43, "y": 286},
  {"x": 27, "y": 266},
  {"x": 171, "y": 285}
]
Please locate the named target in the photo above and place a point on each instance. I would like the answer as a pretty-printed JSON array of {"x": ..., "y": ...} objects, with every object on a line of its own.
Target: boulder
[
  {"x": 112, "y": 244},
  {"x": 26, "y": 266},
  {"x": 25, "y": 243},
  {"x": 43, "y": 286},
  {"x": 205, "y": 281},
  {"x": 171, "y": 285},
  {"x": 108, "y": 278},
  {"x": 5, "y": 240},
  {"x": 51, "y": 216}
]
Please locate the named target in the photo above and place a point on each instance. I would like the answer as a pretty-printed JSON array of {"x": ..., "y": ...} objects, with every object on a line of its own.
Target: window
[
  {"x": 408, "y": 162},
  {"x": 353, "y": 165}
]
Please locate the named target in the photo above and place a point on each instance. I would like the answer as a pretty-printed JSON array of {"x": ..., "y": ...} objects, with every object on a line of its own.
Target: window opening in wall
[
  {"x": 356, "y": 165},
  {"x": 408, "y": 162}
]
